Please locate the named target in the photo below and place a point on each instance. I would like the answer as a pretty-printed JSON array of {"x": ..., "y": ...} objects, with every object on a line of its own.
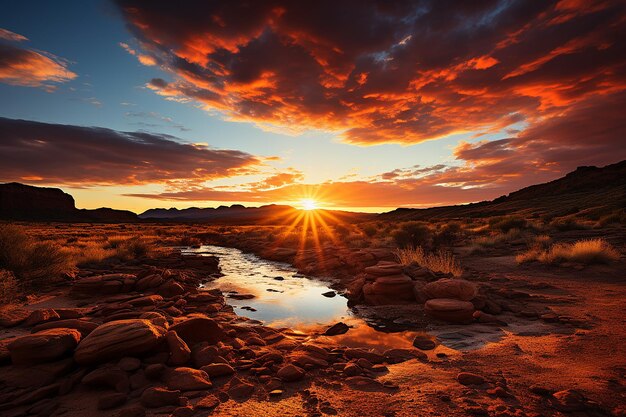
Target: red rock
[
  {"x": 134, "y": 411},
  {"x": 398, "y": 355},
  {"x": 116, "y": 339},
  {"x": 384, "y": 268},
  {"x": 187, "y": 379},
  {"x": 170, "y": 289},
  {"x": 389, "y": 290},
  {"x": 355, "y": 353},
  {"x": 199, "y": 329},
  {"x": 108, "y": 401},
  {"x": 108, "y": 376},
  {"x": 148, "y": 300},
  {"x": 129, "y": 364},
  {"x": 457, "y": 289},
  {"x": 159, "y": 397},
  {"x": 83, "y": 326},
  {"x": 202, "y": 356},
  {"x": 363, "y": 383},
  {"x": 155, "y": 371},
  {"x": 208, "y": 402},
  {"x": 337, "y": 329},
  {"x": 291, "y": 373},
  {"x": 186, "y": 411},
  {"x": 453, "y": 311},
  {"x": 239, "y": 389},
  {"x": 218, "y": 369},
  {"x": 44, "y": 346},
  {"x": 10, "y": 317},
  {"x": 468, "y": 378},
  {"x": 179, "y": 351},
  {"x": 41, "y": 316},
  {"x": 569, "y": 401},
  {"x": 424, "y": 343}
]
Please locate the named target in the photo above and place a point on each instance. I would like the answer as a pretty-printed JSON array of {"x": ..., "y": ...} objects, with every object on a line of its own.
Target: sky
[{"x": 359, "y": 105}]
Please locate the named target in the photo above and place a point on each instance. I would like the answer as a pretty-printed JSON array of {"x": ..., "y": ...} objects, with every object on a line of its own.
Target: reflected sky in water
[{"x": 296, "y": 301}]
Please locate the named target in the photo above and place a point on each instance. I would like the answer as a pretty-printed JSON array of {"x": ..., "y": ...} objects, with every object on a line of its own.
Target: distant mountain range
[{"x": 583, "y": 189}]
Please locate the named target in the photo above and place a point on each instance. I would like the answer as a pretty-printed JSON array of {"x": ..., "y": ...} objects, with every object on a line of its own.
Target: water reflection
[{"x": 294, "y": 301}]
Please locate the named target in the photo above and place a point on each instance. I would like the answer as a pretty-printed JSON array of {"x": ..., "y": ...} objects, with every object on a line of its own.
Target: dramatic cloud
[
  {"x": 485, "y": 170},
  {"x": 61, "y": 154},
  {"x": 379, "y": 71},
  {"x": 29, "y": 68}
]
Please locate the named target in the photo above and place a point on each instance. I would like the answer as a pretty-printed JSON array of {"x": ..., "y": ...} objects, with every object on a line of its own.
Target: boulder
[
  {"x": 218, "y": 369},
  {"x": 41, "y": 316},
  {"x": 424, "y": 343},
  {"x": 468, "y": 378},
  {"x": 337, "y": 329},
  {"x": 179, "y": 351},
  {"x": 44, "y": 346},
  {"x": 389, "y": 290},
  {"x": 83, "y": 326},
  {"x": 291, "y": 373},
  {"x": 116, "y": 339},
  {"x": 384, "y": 268},
  {"x": 159, "y": 397},
  {"x": 10, "y": 317},
  {"x": 450, "y": 310},
  {"x": 199, "y": 329},
  {"x": 108, "y": 376},
  {"x": 187, "y": 379},
  {"x": 457, "y": 289}
]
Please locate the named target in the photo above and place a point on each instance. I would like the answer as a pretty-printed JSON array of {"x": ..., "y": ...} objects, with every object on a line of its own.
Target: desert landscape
[{"x": 272, "y": 208}]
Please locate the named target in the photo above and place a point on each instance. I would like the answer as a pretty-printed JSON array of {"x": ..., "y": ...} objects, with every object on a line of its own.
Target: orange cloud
[
  {"x": 396, "y": 73},
  {"x": 29, "y": 68}
]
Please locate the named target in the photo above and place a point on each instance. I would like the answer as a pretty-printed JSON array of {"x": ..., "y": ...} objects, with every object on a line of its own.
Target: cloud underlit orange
[{"x": 382, "y": 72}]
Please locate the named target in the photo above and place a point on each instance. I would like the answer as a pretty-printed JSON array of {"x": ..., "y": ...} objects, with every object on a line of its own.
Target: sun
[{"x": 308, "y": 204}]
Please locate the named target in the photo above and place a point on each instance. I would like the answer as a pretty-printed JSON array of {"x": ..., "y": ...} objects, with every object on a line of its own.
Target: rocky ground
[{"x": 141, "y": 339}]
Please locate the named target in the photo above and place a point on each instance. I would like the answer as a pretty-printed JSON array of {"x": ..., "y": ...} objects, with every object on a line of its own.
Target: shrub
[
  {"x": 564, "y": 224},
  {"x": 447, "y": 235},
  {"x": 439, "y": 261},
  {"x": 504, "y": 224},
  {"x": 587, "y": 251},
  {"x": 31, "y": 262},
  {"x": 411, "y": 234},
  {"x": 369, "y": 230},
  {"x": 9, "y": 288}
]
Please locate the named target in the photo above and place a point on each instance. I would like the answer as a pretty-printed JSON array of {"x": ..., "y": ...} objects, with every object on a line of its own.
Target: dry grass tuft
[
  {"x": 588, "y": 251},
  {"x": 439, "y": 261}
]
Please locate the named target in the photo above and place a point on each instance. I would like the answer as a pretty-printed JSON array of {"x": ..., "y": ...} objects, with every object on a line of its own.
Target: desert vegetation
[
  {"x": 586, "y": 251},
  {"x": 439, "y": 261}
]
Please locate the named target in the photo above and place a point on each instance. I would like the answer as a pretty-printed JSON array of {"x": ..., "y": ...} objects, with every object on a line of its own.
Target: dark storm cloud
[{"x": 64, "y": 154}]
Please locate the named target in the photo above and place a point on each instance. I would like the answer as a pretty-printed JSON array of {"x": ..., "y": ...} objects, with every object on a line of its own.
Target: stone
[
  {"x": 450, "y": 310},
  {"x": 129, "y": 364},
  {"x": 205, "y": 355},
  {"x": 208, "y": 402},
  {"x": 424, "y": 343},
  {"x": 389, "y": 290},
  {"x": 41, "y": 316},
  {"x": 116, "y": 339},
  {"x": 239, "y": 389},
  {"x": 187, "y": 379},
  {"x": 199, "y": 329},
  {"x": 363, "y": 383},
  {"x": 352, "y": 369},
  {"x": 291, "y": 373},
  {"x": 398, "y": 355},
  {"x": 159, "y": 397},
  {"x": 218, "y": 369},
  {"x": 569, "y": 401},
  {"x": 356, "y": 353},
  {"x": 154, "y": 371},
  {"x": 468, "y": 378},
  {"x": 179, "y": 351},
  {"x": 171, "y": 289},
  {"x": 186, "y": 411},
  {"x": 329, "y": 294},
  {"x": 337, "y": 329},
  {"x": 108, "y": 376},
  {"x": 134, "y": 411},
  {"x": 383, "y": 269},
  {"x": 44, "y": 346},
  {"x": 453, "y": 288},
  {"x": 83, "y": 326},
  {"x": 109, "y": 401},
  {"x": 10, "y": 317}
]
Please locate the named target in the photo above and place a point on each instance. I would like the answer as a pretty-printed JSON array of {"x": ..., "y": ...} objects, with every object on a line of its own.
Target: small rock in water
[
  {"x": 273, "y": 290},
  {"x": 248, "y": 308},
  {"x": 238, "y": 296},
  {"x": 337, "y": 329},
  {"x": 424, "y": 343},
  {"x": 279, "y": 278},
  {"x": 329, "y": 294}
]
